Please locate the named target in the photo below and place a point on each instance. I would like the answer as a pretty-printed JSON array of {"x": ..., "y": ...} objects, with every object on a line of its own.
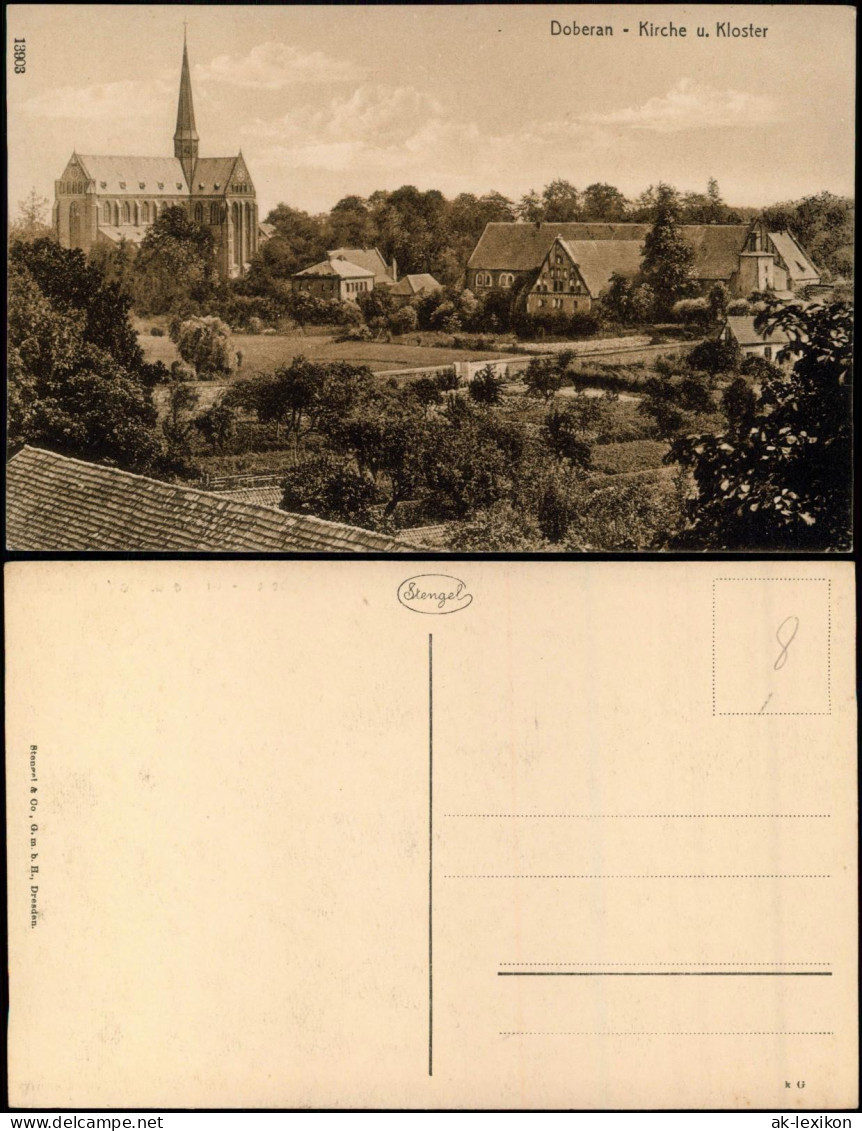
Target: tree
[
  {"x": 544, "y": 377},
  {"x": 667, "y": 258},
  {"x": 387, "y": 435},
  {"x": 303, "y": 397},
  {"x": 486, "y": 387},
  {"x": 217, "y": 425},
  {"x": 33, "y": 220},
  {"x": 561, "y": 202},
  {"x": 72, "y": 286},
  {"x": 715, "y": 356},
  {"x": 427, "y": 391},
  {"x": 176, "y": 264},
  {"x": 531, "y": 208},
  {"x": 329, "y": 486},
  {"x": 205, "y": 343},
  {"x": 66, "y": 393},
  {"x": 784, "y": 482},
  {"x": 179, "y": 421},
  {"x": 627, "y": 301},
  {"x": 823, "y": 224},
  {"x": 465, "y": 469},
  {"x": 78, "y": 383},
  {"x": 404, "y": 320},
  {"x": 719, "y": 296},
  {"x": 563, "y": 433},
  {"x": 603, "y": 202}
]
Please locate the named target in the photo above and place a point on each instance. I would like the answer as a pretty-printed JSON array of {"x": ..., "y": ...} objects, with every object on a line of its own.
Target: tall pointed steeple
[{"x": 186, "y": 136}]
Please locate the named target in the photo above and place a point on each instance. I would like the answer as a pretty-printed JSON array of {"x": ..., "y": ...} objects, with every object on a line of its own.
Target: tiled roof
[
  {"x": 129, "y": 232},
  {"x": 597, "y": 260},
  {"x": 415, "y": 284},
  {"x": 58, "y": 503},
  {"x": 742, "y": 328},
  {"x": 426, "y": 537},
  {"x": 211, "y": 172},
  {"x": 263, "y": 496},
  {"x": 716, "y": 248},
  {"x": 522, "y": 247},
  {"x": 799, "y": 266},
  {"x": 118, "y": 175},
  {"x": 339, "y": 267},
  {"x": 367, "y": 257}
]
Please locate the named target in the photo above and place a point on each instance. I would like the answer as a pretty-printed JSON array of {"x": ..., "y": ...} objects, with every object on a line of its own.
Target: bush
[
  {"x": 555, "y": 324},
  {"x": 404, "y": 321},
  {"x": 739, "y": 306},
  {"x": 205, "y": 343},
  {"x": 624, "y": 458},
  {"x": 696, "y": 310},
  {"x": 758, "y": 368},
  {"x": 715, "y": 356},
  {"x": 356, "y": 334},
  {"x": 157, "y": 332},
  {"x": 499, "y": 529}
]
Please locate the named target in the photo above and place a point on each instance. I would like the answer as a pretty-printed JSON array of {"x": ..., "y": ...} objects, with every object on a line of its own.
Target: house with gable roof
[
  {"x": 573, "y": 262},
  {"x": 336, "y": 279}
]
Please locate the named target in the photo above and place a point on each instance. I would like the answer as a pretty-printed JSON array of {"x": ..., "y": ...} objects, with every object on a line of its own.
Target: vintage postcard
[
  {"x": 396, "y": 278},
  {"x": 365, "y": 835}
]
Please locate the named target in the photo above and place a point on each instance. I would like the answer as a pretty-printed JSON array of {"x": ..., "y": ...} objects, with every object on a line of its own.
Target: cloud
[
  {"x": 274, "y": 66},
  {"x": 689, "y": 106},
  {"x": 393, "y": 130},
  {"x": 110, "y": 101}
]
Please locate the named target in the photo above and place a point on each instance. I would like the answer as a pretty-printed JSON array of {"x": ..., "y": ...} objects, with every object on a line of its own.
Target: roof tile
[{"x": 55, "y": 502}]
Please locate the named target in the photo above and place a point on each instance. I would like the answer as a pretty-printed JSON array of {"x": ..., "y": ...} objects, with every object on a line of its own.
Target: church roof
[
  {"x": 155, "y": 176},
  {"x": 212, "y": 175},
  {"x": 185, "y": 107},
  {"x": 55, "y": 502},
  {"x": 339, "y": 267}
]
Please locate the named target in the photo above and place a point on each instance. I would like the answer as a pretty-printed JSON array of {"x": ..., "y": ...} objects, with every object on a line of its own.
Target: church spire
[{"x": 186, "y": 136}]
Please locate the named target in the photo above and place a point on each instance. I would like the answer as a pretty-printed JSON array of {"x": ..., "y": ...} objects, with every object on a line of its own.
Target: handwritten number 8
[{"x": 785, "y": 639}]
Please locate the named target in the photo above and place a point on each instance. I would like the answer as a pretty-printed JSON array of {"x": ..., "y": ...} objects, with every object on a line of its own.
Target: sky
[{"x": 331, "y": 100}]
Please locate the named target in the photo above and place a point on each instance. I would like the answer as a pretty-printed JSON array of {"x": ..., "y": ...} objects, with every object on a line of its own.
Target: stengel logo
[{"x": 434, "y": 594}]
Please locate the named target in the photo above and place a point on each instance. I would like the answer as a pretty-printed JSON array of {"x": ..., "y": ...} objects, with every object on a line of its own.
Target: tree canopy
[{"x": 780, "y": 475}]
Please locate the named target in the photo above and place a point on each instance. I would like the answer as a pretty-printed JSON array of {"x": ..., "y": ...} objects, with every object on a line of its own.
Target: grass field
[{"x": 264, "y": 352}]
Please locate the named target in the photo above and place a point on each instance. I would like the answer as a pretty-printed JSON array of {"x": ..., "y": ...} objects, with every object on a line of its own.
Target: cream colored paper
[{"x": 620, "y": 872}]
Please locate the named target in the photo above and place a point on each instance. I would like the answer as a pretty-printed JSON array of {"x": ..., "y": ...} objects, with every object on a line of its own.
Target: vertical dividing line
[{"x": 430, "y": 854}]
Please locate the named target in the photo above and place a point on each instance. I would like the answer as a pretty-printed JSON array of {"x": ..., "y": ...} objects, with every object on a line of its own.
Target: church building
[{"x": 99, "y": 199}]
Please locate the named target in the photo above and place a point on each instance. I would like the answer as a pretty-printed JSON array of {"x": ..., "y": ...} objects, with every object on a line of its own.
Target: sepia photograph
[{"x": 434, "y": 279}]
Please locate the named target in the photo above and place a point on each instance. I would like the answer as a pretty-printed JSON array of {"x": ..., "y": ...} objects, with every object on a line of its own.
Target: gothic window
[
  {"x": 237, "y": 233},
  {"x": 215, "y": 218},
  {"x": 127, "y": 212},
  {"x": 506, "y": 279},
  {"x": 136, "y": 215},
  {"x": 116, "y": 210},
  {"x": 199, "y": 213},
  {"x": 145, "y": 212},
  {"x": 106, "y": 212}
]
